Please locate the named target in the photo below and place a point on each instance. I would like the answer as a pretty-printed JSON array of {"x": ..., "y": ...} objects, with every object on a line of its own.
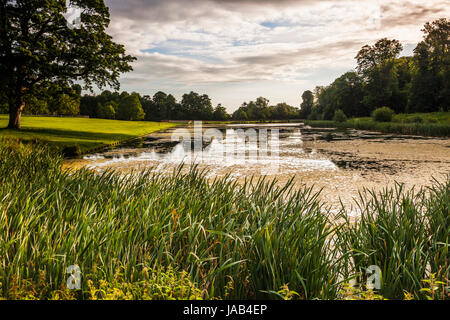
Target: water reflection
[{"x": 236, "y": 151}]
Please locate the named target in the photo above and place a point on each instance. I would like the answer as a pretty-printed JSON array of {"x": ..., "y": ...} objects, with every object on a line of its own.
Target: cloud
[
  {"x": 412, "y": 13},
  {"x": 211, "y": 43}
]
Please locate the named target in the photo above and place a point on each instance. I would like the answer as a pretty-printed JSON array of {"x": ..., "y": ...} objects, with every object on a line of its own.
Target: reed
[
  {"x": 405, "y": 233},
  {"x": 232, "y": 241},
  {"x": 419, "y": 129}
]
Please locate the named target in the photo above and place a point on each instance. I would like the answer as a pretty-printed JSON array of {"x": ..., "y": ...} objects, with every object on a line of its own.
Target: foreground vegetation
[
  {"x": 150, "y": 236},
  {"x": 78, "y": 134}
]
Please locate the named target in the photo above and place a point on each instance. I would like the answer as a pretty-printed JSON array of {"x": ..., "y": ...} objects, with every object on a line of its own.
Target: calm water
[
  {"x": 238, "y": 150},
  {"x": 341, "y": 163}
]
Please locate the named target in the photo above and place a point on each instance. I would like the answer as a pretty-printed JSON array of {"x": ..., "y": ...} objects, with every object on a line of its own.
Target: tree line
[
  {"x": 162, "y": 106},
  {"x": 418, "y": 83},
  {"x": 42, "y": 60}
]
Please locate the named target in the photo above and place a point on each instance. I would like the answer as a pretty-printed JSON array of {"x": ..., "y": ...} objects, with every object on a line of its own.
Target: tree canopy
[
  {"x": 39, "y": 49},
  {"x": 420, "y": 83}
]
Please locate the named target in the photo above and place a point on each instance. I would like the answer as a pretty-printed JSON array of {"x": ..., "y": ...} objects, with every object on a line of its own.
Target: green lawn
[{"x": 85, "y": 133}]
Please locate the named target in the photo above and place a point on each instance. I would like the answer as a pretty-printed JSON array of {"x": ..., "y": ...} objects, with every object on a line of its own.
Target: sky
[{"x": 238, "y": 50}]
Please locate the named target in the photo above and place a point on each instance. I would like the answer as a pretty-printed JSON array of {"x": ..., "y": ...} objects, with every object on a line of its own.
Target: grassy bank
[
  {"x": 428, "y": 124},
  {"x": 85, "y": 133},
  {"x": 152, "y": 236}
]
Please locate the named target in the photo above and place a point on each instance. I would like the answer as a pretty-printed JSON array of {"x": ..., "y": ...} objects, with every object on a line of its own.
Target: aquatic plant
[{"x": 219, "y": 238}]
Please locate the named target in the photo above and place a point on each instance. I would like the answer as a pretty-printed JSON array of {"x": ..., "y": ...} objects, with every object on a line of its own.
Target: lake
[{"x": 341, "y": 162}]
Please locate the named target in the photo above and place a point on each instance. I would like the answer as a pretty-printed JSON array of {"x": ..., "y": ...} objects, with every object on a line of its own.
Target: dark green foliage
[
  {"x": 130, "y": 108},
  {"x": 283, "y": 111},
  {"x": 383, "y": 114},
  {"x": 407, "y": 84},
  {"x": 39, "y": 49},
  {"x": 307, "y": 104},
  {"x": 220, "y": 113},
  {"x": 260, "y": 110},
  {"x": 195, "y": 106},
  {"x": 431, "y": 82},
  {"x": 106, "y": 111},
  {"x": 339, "y": 116}
]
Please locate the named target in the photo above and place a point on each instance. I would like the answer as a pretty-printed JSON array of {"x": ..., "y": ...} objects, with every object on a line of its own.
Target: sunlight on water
[{"x": 232, "y": 154}]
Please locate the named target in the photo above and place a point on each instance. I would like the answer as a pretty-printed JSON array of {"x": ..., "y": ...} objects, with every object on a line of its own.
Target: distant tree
[
  {"x": 315, "y": 114},
  {"x": 38, "y": 48},
  {"x": 376, "y": 67},
  {"x": 54, "y": 100},
  {"x": 88, "y": 106},
  {"x": 64, "y": 104},
  {"x": 283, "y": 111},
  {"x": 240, "y": 114},
  {"x": 130, "y": 108},
  {"x": 149, "y": 107},
  {"x": 430, "y": 90},
  {"x": 35, "y": 106},
  {"x": 307, "y": 104},
  {"x": 326, "y": 102},
  {"x": 196, "y": 106},
  {"x": 348, "y": 94},
  {"x": 220, "y": 113},
  {"x": 172, "y": 106},
  {"x": 106, "y": 111},
  {"x": 162, "y": 105},
  {"x": 404, "y": 69}
]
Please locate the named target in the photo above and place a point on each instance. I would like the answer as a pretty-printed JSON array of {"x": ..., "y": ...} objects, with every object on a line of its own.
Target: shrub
[
  {"x": 339, "y": 116},
  {"x": 417, "y": 119},
  {"x": 315, "y": 115},
  {"x": 71, "y": 151},
  {"x": 383, "y": 114}
]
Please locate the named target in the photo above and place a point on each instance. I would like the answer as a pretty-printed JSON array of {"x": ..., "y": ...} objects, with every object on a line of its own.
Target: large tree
[
  {"x": 39, "y": 47},
  {"x": 307, "y": 104},
  {"x": 376, "y": 66},
  {"x": 431, "y": 82},
  {"x": 130, "y": 108}
]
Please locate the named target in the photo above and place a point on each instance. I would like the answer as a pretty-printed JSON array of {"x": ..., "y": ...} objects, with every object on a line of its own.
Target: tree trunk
[{"x": 15, "y": 112}]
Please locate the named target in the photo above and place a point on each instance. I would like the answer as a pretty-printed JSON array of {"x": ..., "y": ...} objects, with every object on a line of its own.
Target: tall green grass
[
  {"x": 420, "y": 129},
  {"x": 234, "y": 241},
  {"x": 252, "y": 238},
  {"x": 405, "y": 233}
]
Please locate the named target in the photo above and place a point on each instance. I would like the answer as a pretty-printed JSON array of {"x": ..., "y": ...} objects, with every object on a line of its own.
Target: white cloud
[{"x": 224, "y": 45}]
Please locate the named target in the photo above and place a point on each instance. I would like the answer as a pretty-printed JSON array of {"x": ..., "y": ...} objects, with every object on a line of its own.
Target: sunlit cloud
[{"x": 237, "y": 50}]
